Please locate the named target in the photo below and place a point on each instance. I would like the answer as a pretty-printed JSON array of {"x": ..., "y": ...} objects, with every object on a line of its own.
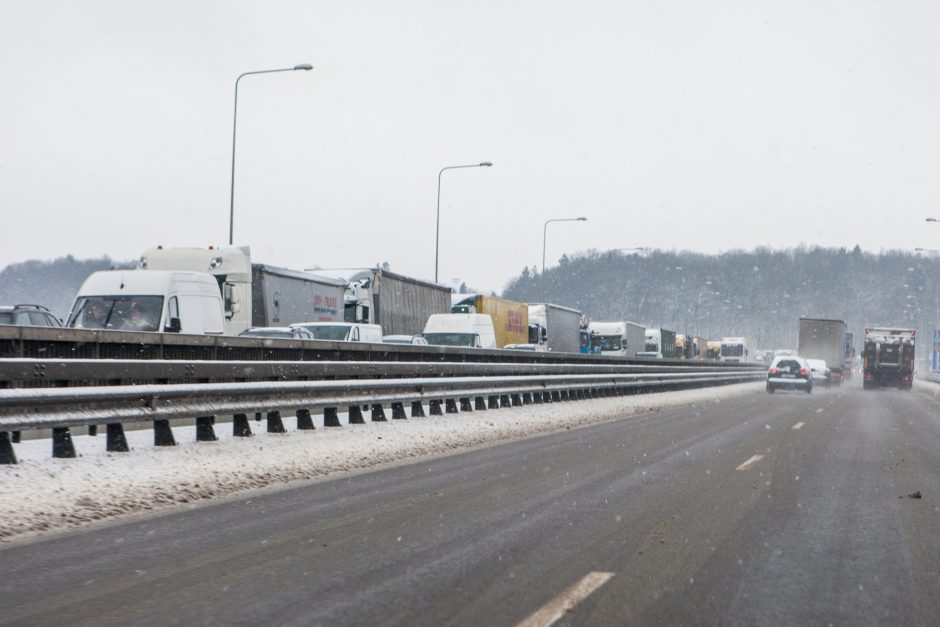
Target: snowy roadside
[{"x": 42, "y": 494}]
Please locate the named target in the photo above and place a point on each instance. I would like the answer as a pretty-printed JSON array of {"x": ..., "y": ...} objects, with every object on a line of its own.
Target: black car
[
  {"x": 789, "y": 373},
  {"x": 28, "y": 315}
]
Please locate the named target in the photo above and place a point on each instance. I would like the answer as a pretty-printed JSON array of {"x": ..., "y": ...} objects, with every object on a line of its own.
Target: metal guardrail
[
  {"x": 64, "y": 408},
  {"x": 18, "y": 373}
]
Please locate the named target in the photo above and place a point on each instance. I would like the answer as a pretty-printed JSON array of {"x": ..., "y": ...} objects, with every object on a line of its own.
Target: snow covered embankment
[{"x": 44, "y": 494}]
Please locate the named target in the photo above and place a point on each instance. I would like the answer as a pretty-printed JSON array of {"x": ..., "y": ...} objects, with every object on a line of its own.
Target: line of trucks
[
  {"x": 887, "y": 353},
  {"x": 222, "y": 291}
]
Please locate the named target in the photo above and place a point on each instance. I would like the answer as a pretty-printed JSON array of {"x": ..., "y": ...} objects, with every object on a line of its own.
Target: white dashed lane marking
[
  {"x": 798, "y": 425},
  {"x": 750, "y": 462},
  {"x": 566, "y": 601}
]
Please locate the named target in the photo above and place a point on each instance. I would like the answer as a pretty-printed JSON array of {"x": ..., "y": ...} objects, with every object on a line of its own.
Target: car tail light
[
  {"x": 907, "y": 379},
  {"x": 804, "y": 371},
  {"x": 774, "y": 371}
]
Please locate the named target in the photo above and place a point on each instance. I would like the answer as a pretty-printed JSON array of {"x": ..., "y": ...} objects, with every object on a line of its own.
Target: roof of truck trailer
[
  {"x": 298, "y": 274},
  {"x": 357, "y": 274}
]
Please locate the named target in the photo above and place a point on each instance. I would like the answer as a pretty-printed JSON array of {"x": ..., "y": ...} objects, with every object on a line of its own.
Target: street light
[
  {"x": 544, "y": 238},
  {"x": 437, "y": 230},
  {"x": 231, "y": 208}
]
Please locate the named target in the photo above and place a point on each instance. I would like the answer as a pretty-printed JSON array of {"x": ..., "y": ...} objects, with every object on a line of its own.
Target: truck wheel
[{"x": 809, "y": 389}]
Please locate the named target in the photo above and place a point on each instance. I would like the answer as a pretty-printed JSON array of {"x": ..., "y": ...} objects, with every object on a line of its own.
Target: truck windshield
[
  {"x": 120, "y": 313},
  {"x": 608, "y": 342},
  {"x": 451, "y": 339},
  {"x": 732, "y": 350},
  {"x": 334, "y": 332}
]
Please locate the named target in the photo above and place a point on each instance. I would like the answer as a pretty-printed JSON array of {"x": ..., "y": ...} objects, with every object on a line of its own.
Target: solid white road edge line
[
  {"x": 798, "y": 425},
  {"x": 567, "y": 600},
  {"x": 753, "y": 460}
]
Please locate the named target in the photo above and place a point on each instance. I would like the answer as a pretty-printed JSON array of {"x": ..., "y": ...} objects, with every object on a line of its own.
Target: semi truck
[
  {"x": 510, "y": 319},
  {"x": 618, "y": 338},
  {"x": 888, "y": 358},
  {"x": 733, "y": 349},
  {"x": 554, "y": 328},
  {"x": 849, "y": 363},
  {"x": 824, "y": 339},
  {"x": 660, "y": 343},
  {"x": 253, "y": 294},
  {"x": 401, "y": 305}
]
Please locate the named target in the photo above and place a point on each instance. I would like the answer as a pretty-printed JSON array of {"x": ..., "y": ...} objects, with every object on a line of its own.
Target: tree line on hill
[{"x": 759, "y": 294}]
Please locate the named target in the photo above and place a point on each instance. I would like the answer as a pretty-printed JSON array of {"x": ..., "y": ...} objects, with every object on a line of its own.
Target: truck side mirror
[{"x": 173, "y": 325}]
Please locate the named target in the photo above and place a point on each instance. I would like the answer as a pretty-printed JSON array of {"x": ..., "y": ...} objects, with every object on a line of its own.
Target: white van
[
  {"x": 149, "y": 300},
  {"x": 343, "y": 331},
  {"x": 460, "y": 329}
]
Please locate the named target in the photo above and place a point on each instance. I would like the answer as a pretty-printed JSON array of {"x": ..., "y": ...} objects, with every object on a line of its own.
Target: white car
[{"x": 820, "y": 372}]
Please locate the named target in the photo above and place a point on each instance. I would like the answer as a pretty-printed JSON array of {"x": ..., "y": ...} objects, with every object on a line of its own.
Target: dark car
[
  {"x": 789, "y": 373},
  {"x": 278, "y": 333},
  {"x": 28, "y": 315}
]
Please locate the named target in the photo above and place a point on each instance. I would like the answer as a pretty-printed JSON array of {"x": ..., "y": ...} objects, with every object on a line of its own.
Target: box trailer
[
  {"x": 824, "y": 339},
  {"x": 510, "y": 319},
  {"x": 556, "y": 328}
]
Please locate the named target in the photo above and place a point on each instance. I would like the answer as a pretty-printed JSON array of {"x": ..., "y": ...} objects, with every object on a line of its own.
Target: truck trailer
[
  {"x": 401, "y": 305},
  {"x": 888, "y": 358},
  {"x": 554, "y": 327},
  {"x": 824, "y": 339},
  {"x": 255, "y": 295},
  {"x": 618, "y": 338},
  {"x": 510, "y": 319}
]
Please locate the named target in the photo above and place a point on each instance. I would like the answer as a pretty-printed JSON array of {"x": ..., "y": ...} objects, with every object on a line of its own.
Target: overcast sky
[{"x": 688, "y": 125}]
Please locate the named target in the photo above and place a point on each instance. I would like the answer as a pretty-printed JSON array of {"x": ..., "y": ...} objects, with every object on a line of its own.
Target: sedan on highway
[{"x": 789, "y": 373}]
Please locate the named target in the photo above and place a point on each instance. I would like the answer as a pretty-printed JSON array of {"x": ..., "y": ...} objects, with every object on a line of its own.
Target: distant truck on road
[
  {"x": 510, "y": 319},
  {"x": 618, "y": 338},
  {"x": 733, "y": 349},
  {"x": 555, "y": 328},
  {"x": 255, "y": 295},
  {"x": 401, "y": 305},
  {"x": 888, "y": 358},
  {"x": 660, "y": 343},
  {"x": 824, "y": 339}
]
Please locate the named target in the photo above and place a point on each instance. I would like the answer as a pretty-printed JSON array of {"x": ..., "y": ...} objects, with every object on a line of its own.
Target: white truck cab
[
  {"x": 460, "y": 329},
  {"x": 155, "y": 301}
]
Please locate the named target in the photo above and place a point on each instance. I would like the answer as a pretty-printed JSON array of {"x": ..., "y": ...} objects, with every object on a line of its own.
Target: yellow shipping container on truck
[{"x": 510, "y": 319}]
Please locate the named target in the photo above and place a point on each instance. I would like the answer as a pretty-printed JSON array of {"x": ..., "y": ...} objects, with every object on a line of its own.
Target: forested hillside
[
  {"x": 50, "y": 283},
  {"x": 760, "y": 294}
]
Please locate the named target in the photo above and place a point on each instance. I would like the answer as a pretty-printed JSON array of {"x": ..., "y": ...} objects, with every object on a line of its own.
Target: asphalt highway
[{"x": 767, "y": 509}]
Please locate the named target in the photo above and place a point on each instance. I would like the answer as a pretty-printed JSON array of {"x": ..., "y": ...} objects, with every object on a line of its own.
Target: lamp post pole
[
  {"x": 437, "y": 229},
  {"x": 231, "y": 205},
  {"x": 545, "y": 239}
]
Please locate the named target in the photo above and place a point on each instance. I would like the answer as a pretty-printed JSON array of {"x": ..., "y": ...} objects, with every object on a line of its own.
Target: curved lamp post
[
  {"x": 231, "y": 208},
  {"x": 437, "y": 230},
  {"x": 545, "y": 237}
]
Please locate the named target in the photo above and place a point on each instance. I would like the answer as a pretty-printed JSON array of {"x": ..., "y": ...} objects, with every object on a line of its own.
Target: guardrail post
[
  {"x": 275, "y": 424},
  {"x": 378, "y": 413},
  {"x": 62, "y": 443},
  {"x": 163, "y": 434},
  {"x": 417, "y": 411},
  {"x": 479, "y": 403},
  {"x": 93, "y": 430},
  {"x": 204, "y": 430},
  {"x": 527, "y": 398},
  {"x": 330, "y": 417},
  {"x": 7, "y": 455},
  {"x": 451, "y": 406},
  {"x": 504, "y": 400},
  {"x": 434, "y": 408},
  {"x": 465, "y": 404},
  {"x": 240, "y": 426},
  {"x": 116, "y": 442},
  {"x": 542, "y": 397},
  {"x": 16, "y": 437},
  {"x": 492, "y": 402},
  {"x": 556, "y": 396},
  {"x": 304, "y": 420},
  {"x": 398, "y": 411},
  {"x": 355, "y": 415},
  {"x": 516, "y": 400}
]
